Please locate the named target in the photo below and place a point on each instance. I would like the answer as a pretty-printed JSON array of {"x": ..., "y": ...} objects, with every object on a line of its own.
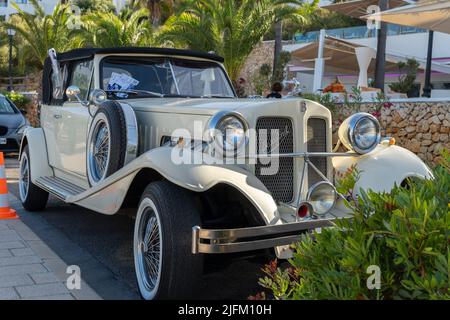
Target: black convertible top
[{"x": 85, "y": 53}]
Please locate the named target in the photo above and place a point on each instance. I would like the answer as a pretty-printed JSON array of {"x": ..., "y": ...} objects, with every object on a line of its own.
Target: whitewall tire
[{"x": 165, "y": 267}]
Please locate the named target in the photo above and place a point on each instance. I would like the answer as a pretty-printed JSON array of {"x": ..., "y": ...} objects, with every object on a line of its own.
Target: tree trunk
[
  {"x": 427, "y": 84},
  {"x": 381, "y": 50},
  {"x": 155, "y": 12},
  {"x": 278, "y": 46}
]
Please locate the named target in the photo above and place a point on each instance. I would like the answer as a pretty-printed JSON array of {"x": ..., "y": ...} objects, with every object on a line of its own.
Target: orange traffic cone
[{"x": 5, "y": 211}]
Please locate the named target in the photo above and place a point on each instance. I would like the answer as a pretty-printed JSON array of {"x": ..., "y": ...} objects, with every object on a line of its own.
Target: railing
[
  {"x": 355, "y": 33},
  {"x": 18, "y": 83}
]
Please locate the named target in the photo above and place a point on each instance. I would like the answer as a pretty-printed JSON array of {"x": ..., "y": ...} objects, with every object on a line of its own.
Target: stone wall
[
  {"x": 33, "y": 109},
  {"x": 422, "y": 127},
  {"x": 261, "y": 54},
  {"x": 33, "y": 91}
]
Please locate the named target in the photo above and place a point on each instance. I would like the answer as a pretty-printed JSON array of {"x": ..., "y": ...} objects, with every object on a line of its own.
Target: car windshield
[
  {"x": 126, "y": 77},
  {"x": 5, "y": 106}
]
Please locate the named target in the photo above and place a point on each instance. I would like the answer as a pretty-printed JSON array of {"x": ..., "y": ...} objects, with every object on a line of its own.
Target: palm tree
[
  {"x": 284, "y": 12},
  {"x": 40, "y": 31},
  {"x": 158, "y": 9},
  {"x": 230, "y": 28},
  {"x": 381, "y": 50},
  {"x": 129, "y": 28}
]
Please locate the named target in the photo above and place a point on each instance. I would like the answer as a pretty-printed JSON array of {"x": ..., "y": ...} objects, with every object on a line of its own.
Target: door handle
[{"x": 57, "y": 116}]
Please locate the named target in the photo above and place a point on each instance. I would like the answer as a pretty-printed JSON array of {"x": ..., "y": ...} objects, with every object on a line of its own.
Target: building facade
[
  {"x": 6, "y": 7},
  {"x": 406, "y": 42}
]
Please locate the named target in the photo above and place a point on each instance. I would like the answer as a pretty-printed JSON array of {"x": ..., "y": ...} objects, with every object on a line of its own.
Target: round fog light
[{"x": 322, "y": 197}]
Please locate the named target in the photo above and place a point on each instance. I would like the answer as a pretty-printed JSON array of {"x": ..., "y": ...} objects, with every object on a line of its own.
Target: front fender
[
  {"x": 39, "y": 165},
  {"x": 107, "y": 196},
  {"x": 384, "y": 167}
]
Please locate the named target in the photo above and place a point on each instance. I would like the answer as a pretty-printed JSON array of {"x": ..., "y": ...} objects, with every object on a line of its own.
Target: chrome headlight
[
  {"x": 229, "y": 131},
  {"x": 360, "y": 132},
  {"x": 322, "y": 197}
]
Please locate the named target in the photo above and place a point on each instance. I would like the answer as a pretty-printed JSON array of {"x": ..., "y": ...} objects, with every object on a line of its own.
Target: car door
[
  {"x": 72, "y": 130},
  {"x": 51, "y": 115}
]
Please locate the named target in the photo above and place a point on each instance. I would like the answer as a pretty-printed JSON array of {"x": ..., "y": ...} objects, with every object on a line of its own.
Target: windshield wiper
[{"x": 136, "y": 92}]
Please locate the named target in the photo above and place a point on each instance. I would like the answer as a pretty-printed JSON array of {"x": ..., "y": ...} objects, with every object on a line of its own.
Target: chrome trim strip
[
  {"x": 246, "y": 246},
  {"x": 234, "y": 240},
  {"x": 300, "y": 155},
  {"x": 132, "y": 133},
  {"x": 317, "y": 171}
]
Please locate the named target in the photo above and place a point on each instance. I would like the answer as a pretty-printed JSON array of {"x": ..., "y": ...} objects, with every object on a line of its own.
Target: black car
[{"x": 12, "y": 125}]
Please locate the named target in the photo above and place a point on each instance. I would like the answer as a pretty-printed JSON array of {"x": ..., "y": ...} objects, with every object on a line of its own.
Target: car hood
[
  {"x": 201, "y": 106},
  {"x": 12, "y": 120}
]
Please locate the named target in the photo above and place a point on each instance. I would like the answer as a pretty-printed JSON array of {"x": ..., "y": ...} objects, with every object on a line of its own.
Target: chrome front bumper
[{"x": 253, "y": 238}]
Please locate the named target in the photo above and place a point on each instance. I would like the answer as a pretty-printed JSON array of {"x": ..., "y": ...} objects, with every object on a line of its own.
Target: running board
[{"x": 58, "y": 187}]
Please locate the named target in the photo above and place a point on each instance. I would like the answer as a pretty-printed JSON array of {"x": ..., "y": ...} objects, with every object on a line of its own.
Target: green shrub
[
  {"x": 407, "y": 78},
  {"x": 324, "y": 99},
  {"x": 18, "y": 99},
  {"x": 404, "y": 232}
]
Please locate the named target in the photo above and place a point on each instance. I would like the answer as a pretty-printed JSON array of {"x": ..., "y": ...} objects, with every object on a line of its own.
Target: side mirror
[{"x": 73, "y": 93}]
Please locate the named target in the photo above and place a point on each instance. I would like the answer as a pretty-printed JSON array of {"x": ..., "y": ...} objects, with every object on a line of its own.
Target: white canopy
[
  {"x": 431, "y": 15},
  {"x": 357, "y": 8}
]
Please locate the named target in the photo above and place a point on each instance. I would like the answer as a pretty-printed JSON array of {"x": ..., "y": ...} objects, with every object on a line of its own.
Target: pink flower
[
  {"x": 387, "y": 105},
  {"x": 376, "y": 114}
]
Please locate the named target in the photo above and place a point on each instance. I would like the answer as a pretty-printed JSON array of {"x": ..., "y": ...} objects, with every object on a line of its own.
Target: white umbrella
[
  {"x": 357, "y": 8},
  {"x": 431, "y": 15}
]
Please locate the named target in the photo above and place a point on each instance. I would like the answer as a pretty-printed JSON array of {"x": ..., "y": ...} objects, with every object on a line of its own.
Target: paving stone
[
  {"x": 5, "y": 253},
  {"x": 26, "y": 234},
  {"x": 22, "y": 252},
  {"x": 11, "y": 245},
  {"x": 11, "y": 224},
  {"x": 15, "y": 280},
  {"x": 55, "y": 297},
  {"x": 9, "y": 235},
  {"x": 41, "y": 290},
  {"x": 41, "y": 278},
  {"x": 8, "y": 294},
  {"x": 22, "y": 269},
  {"x": 12, "y": 261},
  {"x": 58, "y": 267},
  {"x": 41, "y": 249},
  {"x": 85, "y": 293}
]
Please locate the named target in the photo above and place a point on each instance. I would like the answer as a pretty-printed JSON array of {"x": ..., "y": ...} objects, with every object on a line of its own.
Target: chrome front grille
[
  {"x": 281, "y": 183},
  {"x": 316, "y": 141}
]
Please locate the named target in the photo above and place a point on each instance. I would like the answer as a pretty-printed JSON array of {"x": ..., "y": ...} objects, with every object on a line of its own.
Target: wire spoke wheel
[
  {"x": 149, "y": 248},
  {"x": 99, "y": 151},
  {"x": 164, "y": 263},
  {"x": 24, "y": 178}
]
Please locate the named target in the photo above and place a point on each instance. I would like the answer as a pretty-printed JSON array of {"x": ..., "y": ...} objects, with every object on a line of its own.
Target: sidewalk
[{"x": 29, "y": 269}]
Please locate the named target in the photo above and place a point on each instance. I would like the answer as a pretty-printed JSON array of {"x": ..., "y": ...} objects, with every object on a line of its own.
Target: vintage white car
[{"x": 161, "y": 131}]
